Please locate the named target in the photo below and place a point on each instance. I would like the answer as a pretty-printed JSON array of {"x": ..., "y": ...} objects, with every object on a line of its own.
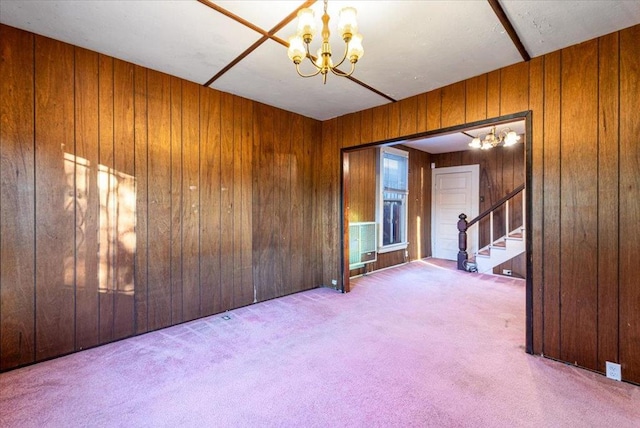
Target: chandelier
[
  {"x": 299, "y": 43},
  {"x": 505, "y": 137}
]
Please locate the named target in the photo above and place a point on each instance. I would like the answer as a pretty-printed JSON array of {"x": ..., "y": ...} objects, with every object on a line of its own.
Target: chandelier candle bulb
[
  {"x": 306, "y": 24},
  {"x": 475, "y": 143},
  {"x": 356, "y": 51},
  {"x": 347, "y": 24},
  {"x": 323, "y": 63},
  {"x": 505, "y": 137},
  {"x": 296, "y": 49},
  {"x": 511, "y": 138}
]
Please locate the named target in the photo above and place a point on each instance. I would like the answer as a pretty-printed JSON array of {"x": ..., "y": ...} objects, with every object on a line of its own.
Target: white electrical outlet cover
[{"x": 614, "y": 371}]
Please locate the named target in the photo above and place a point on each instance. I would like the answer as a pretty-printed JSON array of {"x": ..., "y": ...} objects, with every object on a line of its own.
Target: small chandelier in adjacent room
[
  {"x": 505, "y": 137},
  {"x": 299, "y": 43}
]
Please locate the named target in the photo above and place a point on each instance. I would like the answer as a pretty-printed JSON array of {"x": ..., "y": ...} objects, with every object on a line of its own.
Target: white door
[{"x": 455, "y": 190}]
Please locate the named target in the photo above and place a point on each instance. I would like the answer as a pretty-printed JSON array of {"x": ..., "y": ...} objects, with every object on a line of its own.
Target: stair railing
[{"x": 464, "y": 225}]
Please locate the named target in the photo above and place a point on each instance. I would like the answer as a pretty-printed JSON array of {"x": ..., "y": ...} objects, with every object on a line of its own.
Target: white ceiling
[
  {"x": 459, "y": 141},
  {"x": 411, "y": 47}
]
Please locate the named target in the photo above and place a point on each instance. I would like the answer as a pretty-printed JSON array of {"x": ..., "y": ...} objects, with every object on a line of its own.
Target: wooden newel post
[{"x": 462, "y": 241}]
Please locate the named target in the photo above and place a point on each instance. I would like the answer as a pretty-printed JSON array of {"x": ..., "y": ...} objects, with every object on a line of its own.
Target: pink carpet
[{"x": 418, "y": 345}]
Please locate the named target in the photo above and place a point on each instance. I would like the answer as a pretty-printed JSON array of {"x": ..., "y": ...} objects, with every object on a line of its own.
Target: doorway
[
  {"x": 525, "y": 119},
  {"x": 455, "y": 190}
]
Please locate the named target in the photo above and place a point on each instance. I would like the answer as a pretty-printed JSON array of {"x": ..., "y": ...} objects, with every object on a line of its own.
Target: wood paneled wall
[
  {"x": 419, "y": 215},
  {"x": 585, "y": 127},
  {"x": 361, "y": 203},
  {"x": 90, "y": 144},
  {"x": 361, "y": 183},
  {"x": 131, "y": 200}
]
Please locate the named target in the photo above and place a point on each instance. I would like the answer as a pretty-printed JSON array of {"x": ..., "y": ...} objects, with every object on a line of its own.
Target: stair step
[
  {"x": 486, "y": 252},
  {"x": 499, "y": 244},
  {"x": 500, "y": 250}
]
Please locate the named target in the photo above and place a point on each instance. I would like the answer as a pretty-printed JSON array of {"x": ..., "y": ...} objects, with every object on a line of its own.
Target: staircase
[{"x": 499, "y": 250}]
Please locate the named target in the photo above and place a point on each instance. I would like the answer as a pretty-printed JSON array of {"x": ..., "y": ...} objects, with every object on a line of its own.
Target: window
[{"x": 393, "y": 191}]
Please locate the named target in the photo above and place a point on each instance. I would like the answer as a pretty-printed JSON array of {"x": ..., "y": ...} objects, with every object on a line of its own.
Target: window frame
[{"x": 403, "y": 244}]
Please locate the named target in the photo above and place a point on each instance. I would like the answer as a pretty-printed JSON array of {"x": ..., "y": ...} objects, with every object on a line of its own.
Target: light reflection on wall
[
  {"x": 116, "y": 225},
  {"x": 419, "y": 231}
]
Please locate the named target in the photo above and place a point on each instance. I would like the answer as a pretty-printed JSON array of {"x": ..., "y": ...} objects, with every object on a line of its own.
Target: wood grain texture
[
  {"x": 517, "y": 266},
  {"x": 210, "y": 260},
  {"x": 514, "y": 92},
  {"x": 333, "y": 264},
  {"x": 434, "y": 109},
  {"x": 297, "y": 203},
  {"x": 17, "y": 195},
  {"x": 394, "y": 121},
  {"x": 141, "y": 149},
  {"x": 346, "y": 223},
  {"x": 418, "y": 229},
  {"x": 490, "y": 188},
  {"x": 505, "y": 180},
  {"x": 159, "y": 210},
  {"x": 366, "y": 126},
  {"x": 608, "y": 198},
  {"x": 351, "y": 129},
  {"x": 281, "y": 225},
  {"x": 124, "y": 209},
  {"x": 579, "y": 210},
  {"x": 493, "y": 94},
  {"x": 87, "y": 198},
  {"x": 191, "y": 209},
  {"x": 519, "y": 176},
  {"x": 328, "y": 187},
  {"x": 320, "y": 180},
  {"x": 302, "y": 212},
  {"x": 551, "y": 203},
  {"x": 54, "y": 208},
  {"x": 476, "y": 98},
  {"x": 227, "y": 207},
  {"x": 176, "y": 163},
  {"x": 61, "y": 89},
  {"x": 453, "y": 105},
  {"x": 536, "y": 104},
  {"x": 263, "y": 208},
  {"x": 380, "y": 116},
  {"x": 106, "y": 192},
  {"x": 236, "y": 236},
  {"x": 629, "y": 298},
  {"x": 408, "y": 116},
  {"x": 311, "y": 130},
  {"x": 362, "y": 185},
  {"x": 385, "y": 260},
  {"x": 421, "y": 113},
  {"x": 247, "y": 294},
  {"x": 133, "y": 155}
]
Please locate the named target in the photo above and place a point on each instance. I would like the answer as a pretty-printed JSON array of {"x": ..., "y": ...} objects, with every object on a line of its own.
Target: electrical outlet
[
  {"x": 334, "y": 282},
  {"x": 614, "y": 371},
  {"x": 506, "y": 272}
]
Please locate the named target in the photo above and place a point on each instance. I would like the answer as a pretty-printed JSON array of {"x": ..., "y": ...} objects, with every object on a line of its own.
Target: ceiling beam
[
  {"x": 265, "y": 35},
  {"x": 504, "y": 20},
  {"x": 233, "y": 16},
  {"x": 372, "y": 89}
]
